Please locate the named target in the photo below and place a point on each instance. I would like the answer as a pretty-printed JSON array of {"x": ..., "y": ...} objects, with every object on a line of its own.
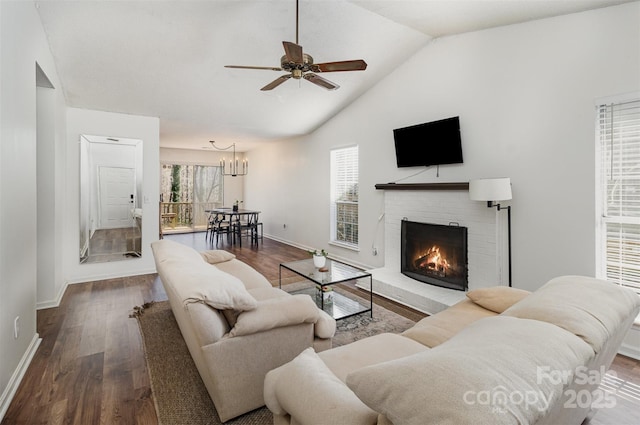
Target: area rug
[
  {"x": 362, "y": 325},
  {"x": 180, "y": 395}
]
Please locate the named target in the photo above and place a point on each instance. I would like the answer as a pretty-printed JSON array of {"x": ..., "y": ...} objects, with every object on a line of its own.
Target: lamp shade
[{"x": 490, "y": 189}]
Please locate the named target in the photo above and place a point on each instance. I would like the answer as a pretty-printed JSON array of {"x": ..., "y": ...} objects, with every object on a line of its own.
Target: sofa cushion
[
  {"x": 202, "y": 282},
  {"x": 369, "y": 351},
  {"x": 486, "y": 374},
  {"x": 259, "y": 294},
  {"x": 215, "y": 256},
  {"x": 589, "y": 308},
  {"x": 267, "y": 293},
  {"x": 276, "y": 313},
  {"x": 207, "y": 323},
  {"x": 434, "y": 330},
  {"x": 165, "y": 249},
  {"x": 497, "y": 298},
  {"x": 249, "y": 276},
  {"x": 317, "y": 391}
]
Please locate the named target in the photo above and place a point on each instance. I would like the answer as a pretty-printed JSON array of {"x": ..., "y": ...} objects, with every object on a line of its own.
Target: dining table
[{"x": 235, "y": 218}]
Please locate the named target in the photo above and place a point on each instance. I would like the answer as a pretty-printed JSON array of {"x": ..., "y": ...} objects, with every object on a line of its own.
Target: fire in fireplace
[{"x": 435, "y": 254}]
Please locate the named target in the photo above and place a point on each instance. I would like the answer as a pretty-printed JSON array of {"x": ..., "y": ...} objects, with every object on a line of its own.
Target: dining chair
[
  {"x": 223, "y": 227},
  {"x": 258, "y": 234},
  {"x": 211, "y": 226},
  {"x": 246, "y": 227},
  {"x": 217, "y": 225}
]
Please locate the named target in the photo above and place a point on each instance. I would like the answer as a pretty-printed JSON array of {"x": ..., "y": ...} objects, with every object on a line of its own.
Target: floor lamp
[{"x": 492, "y": 190}]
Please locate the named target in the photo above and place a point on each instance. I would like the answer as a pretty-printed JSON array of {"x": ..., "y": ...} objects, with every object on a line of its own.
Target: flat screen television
[{"x": 431, "y": 143}]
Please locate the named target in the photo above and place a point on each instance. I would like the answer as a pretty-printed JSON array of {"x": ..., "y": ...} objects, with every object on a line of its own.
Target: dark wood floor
[{"x": 90, "y": 366}]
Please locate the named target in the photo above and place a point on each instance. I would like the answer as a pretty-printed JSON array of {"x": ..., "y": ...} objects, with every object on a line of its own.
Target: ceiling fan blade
[
  {"x": 275, "y": 83},
  {"x": 293, "y": 52},
  {"x": 268, "y": 68},
  {"x": 319, "y": 81},
  {"x": 354, "y": 65}
]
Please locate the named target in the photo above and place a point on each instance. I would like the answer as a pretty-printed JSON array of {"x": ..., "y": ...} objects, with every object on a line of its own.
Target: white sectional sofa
[
  {"x": 502, "y": 356},
  {"x": 236, "y": 325}
]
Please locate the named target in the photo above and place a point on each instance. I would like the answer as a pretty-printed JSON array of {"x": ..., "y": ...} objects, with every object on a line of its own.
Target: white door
[{"x": 117, "y": 188}]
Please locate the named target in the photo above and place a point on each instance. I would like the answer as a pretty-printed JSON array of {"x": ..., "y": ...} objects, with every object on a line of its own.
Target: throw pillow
[
  {"x": 215, "y": 256},
  {"x": 497, "y": 298}
]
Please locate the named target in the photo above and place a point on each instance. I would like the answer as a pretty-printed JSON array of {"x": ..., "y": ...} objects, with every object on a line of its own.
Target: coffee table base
[
  {"x": 334, "y": 272},
  {"x": 340, "y": 307}
]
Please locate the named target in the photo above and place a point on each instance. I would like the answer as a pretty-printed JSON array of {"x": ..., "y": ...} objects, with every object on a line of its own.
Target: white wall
[
  {"x": 46, "y": 193},
  {"x": 109, "y": 124},
  {"x": 233, "y": 186},
  {"x": 22, "y": 44},
  {"x": 289, "y": 183},
  {"x": 525, "y": 96}
]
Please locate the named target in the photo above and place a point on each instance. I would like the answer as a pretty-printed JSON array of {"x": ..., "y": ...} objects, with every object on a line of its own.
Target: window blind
[
  {"x": 619, "y": 134},
  {"x": 344, "y": 196}
]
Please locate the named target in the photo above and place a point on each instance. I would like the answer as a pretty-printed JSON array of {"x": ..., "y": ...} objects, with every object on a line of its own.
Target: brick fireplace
[{"x": 486, "y": 247}]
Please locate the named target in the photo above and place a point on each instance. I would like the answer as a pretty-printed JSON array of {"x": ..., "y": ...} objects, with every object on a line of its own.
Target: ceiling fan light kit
[{"x": 299, "y": 65}]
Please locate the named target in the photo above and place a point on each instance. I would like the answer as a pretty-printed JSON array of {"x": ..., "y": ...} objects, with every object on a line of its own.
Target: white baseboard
[
  {"x": 55, "y": 302},
  {"x": 285, "y": 241},
  {"x": 105, "y": 276},
  {"x": 629, "y": 351},
  {"x": 10, "y": 391}
]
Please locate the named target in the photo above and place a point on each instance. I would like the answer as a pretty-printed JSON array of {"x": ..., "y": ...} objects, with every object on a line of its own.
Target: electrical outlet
[{"x": 16, "y": 327}]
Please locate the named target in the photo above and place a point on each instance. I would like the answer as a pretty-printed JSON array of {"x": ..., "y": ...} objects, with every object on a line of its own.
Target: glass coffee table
[{"x": 335, "y": 304}]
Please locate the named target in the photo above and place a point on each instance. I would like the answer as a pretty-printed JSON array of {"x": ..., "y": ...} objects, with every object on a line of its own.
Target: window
[
  {"x": 619, "y": 230},
  {"x": 344, "y": 196},
  {"x": 187, "y": 190}
]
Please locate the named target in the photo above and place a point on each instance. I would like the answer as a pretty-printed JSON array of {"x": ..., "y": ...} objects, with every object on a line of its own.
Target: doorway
[{"x": 117, "y": 188}]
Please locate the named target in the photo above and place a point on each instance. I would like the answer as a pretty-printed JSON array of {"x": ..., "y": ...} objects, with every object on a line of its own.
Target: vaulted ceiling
[{"x": 166, "y": 58}]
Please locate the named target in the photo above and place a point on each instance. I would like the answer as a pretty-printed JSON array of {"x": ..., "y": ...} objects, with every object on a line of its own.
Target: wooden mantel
[{"x": 423, "y": 186}]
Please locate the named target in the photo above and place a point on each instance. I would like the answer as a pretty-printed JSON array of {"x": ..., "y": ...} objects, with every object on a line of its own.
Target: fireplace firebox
[{"x": 435, "y": 254}]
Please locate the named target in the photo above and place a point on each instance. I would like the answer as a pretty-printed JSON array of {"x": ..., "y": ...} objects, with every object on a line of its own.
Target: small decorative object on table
[
  {"x": 319, "y": 258},
  {"x": 235, "y": 205},
  {"x": 326, "y": 292}
]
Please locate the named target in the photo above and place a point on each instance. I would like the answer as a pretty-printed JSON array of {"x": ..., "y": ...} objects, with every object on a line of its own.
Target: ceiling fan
[{"x": 300, "y": 65}]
